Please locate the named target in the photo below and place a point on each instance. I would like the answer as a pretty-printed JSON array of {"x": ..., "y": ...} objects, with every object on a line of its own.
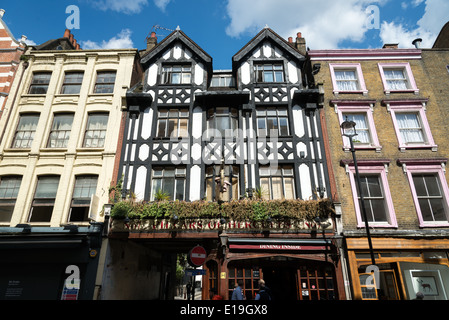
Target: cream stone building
[{"x": 57, "y": 152}]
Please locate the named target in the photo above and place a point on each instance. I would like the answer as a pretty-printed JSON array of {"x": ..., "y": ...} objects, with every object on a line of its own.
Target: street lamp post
[{"x": 349, "y": 131}]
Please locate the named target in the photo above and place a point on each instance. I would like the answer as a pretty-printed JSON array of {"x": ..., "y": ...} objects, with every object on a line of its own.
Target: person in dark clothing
[{"x": 264, "y": 292}]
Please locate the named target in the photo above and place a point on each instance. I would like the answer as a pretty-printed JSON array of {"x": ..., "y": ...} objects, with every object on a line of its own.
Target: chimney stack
[
  {"x": 301, "y": 44},
  {"x": 390, "y": 46},
  {"x": 151, "y": 41},
  {"x": 67, "y": 33},
  {"x": 2, "y": 12}
]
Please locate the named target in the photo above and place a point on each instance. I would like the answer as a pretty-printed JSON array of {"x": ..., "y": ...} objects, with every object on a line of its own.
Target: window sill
[
  {"x": 415, "y": 91},
  {"x": 436, "y": 224},
  {"x": 364, "y": 92},
  {"x": 89, "y": 149},
  {"x": 17, "y": 150},
  {"x": 404, "y": 148},
  {"x": 383, "y": 225},
  {"x": 53, "y": 150},
  {"x": 363, "y": 147}
]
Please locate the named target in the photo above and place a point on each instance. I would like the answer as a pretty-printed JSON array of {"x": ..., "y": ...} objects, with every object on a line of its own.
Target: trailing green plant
[
  {"x": 237, "y": 210},
  {"x": 115, "y": 191}
]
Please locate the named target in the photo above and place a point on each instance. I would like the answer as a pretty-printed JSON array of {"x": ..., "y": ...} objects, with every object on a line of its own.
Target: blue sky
[{"x": 222, "y": 28}]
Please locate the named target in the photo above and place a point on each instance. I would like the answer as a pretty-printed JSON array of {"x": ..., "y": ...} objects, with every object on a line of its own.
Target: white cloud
[
  {"x": 124, "y": 6},
  {"x": 324, "y": 23},
  {"x": 428, "y": 27},
  {"x": 161, "y": 4},
  {"x": 121, "y": 41}
]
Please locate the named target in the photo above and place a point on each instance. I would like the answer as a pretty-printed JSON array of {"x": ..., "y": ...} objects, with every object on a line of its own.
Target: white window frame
[
  {"x": 357, "y": 107},
  {"x": 437, "y": 170},
  {"x": 405, "y": 67},
  {"x": 379, "y": 169},
  {"x": 352, "y": 67},
  {"x": 419, "y": 108}
]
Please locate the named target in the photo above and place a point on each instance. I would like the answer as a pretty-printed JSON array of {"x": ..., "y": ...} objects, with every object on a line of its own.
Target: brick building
[
  {"x": 10, "y": 52},
  {"x": 401, "y": 150}
]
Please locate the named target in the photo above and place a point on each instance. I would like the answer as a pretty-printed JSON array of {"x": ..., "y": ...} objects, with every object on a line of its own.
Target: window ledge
[
  {"x": 436, "y": 224},
  {"x": 363, "y": 147},
  {"x": 364, "y": 92},
  {"x": 415, "y": 91},
  {"x": 403, "y": 148},
  {"x": 383, "y": 225}
]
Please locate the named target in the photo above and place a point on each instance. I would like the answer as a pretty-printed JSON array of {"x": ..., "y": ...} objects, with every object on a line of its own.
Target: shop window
[
  {"x": 9, "y": 189},
  {"x": 25, "y": 131},
  {"x": 72, "y": 83},
  {"x": 272, "y": 119},
  {"x": 40, "y": 82},
  {"x": 269, "y": 72},
  {"x": 95, "y": 134},
  {"x": 168, "y": 181},
  {"x": 250, "y": 278},
  {"x": 368, "y": 286},
  {"x": 316, "y": 283},
  {"x": 231, "y": 174},
  {"x": 105, "y": 82},
  {"x": 176, "y": 74},
  {"x": 347, "y": 78},
  {"x": 376, "y": 193},
  {"x": 172, "y": 123},
  {"x": 277, "y": 182},
  {"x": 44, "y": 199},
  {"x": 85, "y": 187},
  {"x": 222, "y": 122},
  {"x": 60, "y": 131}
]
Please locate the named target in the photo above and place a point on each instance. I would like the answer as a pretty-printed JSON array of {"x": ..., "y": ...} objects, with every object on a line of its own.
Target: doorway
[{"x": 282, "y": 282}]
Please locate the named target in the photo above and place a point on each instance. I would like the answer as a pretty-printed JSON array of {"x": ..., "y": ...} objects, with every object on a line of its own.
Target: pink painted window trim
[
  {"x": 381, "y": 172},
  {"x": 408, "y": 72},
  {"x": 342, "y": 109},
  {"x": 435, "y": 169},
  {"x": 417, "y": 108},
  {"x": 348, "y": 66}
]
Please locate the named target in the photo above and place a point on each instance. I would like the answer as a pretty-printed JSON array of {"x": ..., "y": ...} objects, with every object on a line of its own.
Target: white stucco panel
[
  {"x": 298, "y": 122},
  {"x": 195, "y": 183},
  {"x": 199, "y": 73},
  {"x": 147, "y": 123},
  {"x": 292, "y": 72},
  {"x": 141, "y": 177},
  {"x": 304, "y": 178},
  {"x": 245, "y": 72},
  {"x": 152, "y": 75}
]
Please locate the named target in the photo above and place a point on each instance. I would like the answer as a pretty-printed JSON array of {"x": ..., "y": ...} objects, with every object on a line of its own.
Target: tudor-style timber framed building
[{"x": 258, "y": 127}]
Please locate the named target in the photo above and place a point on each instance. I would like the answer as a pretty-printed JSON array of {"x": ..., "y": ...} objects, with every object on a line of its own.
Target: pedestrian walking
[
  {"x": 237, "y": 294},
  {"x": 264, "y": 293}
]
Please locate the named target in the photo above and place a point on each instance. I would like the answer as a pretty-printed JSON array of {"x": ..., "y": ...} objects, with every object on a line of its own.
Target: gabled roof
[
  {"x": 168, "y": 41},
  {"x": 263, "y": 35},
  {"x": 442, "y": 41}
]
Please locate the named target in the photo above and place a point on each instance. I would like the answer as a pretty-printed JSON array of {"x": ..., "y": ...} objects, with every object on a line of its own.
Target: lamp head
[{"x": 348, "y": 128}]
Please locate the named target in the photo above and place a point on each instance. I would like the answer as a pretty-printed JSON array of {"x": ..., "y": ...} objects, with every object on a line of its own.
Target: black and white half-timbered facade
[{"x": 257, "y": 124}]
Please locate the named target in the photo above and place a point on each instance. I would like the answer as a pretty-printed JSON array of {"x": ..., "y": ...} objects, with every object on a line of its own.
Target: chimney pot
[
  {"x": 153, "y": 35},
  {"x": 299, "y": 35},
  {"x": 290, "y": 40},
  {"x": 67, "y": 33},
  {"x": 417, "y": 43}
]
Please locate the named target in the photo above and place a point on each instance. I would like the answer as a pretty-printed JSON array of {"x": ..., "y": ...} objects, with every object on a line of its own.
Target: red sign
[
  {"x": 197, "y": 256},
  {"x": 275, "y": 247}
]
